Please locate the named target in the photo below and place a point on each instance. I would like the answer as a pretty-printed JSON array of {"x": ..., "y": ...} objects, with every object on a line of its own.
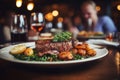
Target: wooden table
[{"x": 106, "y": 68}]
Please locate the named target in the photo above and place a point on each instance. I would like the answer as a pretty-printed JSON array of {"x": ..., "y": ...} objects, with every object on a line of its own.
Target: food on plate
[
  {"x": 56, "y": 49},
  {"x": 80, "y": 46},
  {"x": 82, "y": 52},
  {"x": 63, "y": 36},
  {"x": 88, "y": 34},
  {"x": 91, "y": 52},
  {"x": 18, "y": 49},
  {"x": 74, "y": 50},
  {"x": 46, "y": 45},
  {"x": 84, "y": 49},
  {"x": 46, "y": 36},
  {"x": 65, "y": 55},
  {"x": 28, "y": 52},
  {"x": 74, "y": 53}
]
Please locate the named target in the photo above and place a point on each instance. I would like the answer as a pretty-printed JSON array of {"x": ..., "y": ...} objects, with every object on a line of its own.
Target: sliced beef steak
[{"x": 47, "y": 45}]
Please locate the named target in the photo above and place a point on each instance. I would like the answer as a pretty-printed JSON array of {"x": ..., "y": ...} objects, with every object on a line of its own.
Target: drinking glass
[
  {"x": 116, "y": 37},
  {"x": 37, "y": 23},
  {"x": 109, "y": 36},
  {"x": 19, "y": 28},
  {"x": 113, "y": 36}
]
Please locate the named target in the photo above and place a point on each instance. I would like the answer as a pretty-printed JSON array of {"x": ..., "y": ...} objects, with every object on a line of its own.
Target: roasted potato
[
  {"x": 82, "y": 52},
  {"x": 91, "y": 52},
  {"x": 80, "y": 46},
  {"x": 65, "y": 55},
  {"x": 74, "y": 51},
  {"x": 28, "y": 52}
]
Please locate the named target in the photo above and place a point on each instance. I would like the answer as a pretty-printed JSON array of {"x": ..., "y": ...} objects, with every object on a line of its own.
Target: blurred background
[{"x": 55, "y": 11}]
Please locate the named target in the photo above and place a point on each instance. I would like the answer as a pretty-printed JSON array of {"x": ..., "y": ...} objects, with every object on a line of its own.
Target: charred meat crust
[{"x": 47, "y": 45}]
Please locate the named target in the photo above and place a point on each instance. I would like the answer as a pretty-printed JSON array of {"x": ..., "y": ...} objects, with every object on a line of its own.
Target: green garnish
[
  {"x": 63, "y": 36},
  {"x": 46, "y": 57}
]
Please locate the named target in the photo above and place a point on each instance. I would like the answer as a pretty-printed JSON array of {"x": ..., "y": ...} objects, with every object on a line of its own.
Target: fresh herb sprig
[{"x": 63, "y": 36}]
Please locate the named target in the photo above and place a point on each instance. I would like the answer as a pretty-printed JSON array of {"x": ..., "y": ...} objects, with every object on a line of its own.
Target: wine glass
[
  {"x": 37, "y": 23},
  {"x": 19, "y": 28}
]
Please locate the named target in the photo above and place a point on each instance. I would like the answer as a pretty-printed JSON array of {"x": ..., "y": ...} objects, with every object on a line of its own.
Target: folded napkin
[{"x": 102, "y": 42}]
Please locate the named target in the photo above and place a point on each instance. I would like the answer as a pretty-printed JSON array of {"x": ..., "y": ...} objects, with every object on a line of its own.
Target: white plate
[
  {"x": 4, "y": 54},
  {"x": 92, "y": 37},
  {"x": 102, "y": 42}
]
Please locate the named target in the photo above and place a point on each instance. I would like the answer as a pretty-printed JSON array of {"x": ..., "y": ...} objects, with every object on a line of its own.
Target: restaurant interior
[
  {"x": 56, "y": 11},
  {"x": 104, "y": 63},
  {"x": 64, "y": 7}
]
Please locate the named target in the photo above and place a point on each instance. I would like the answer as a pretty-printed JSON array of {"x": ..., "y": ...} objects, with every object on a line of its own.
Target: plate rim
[{"x": 50, "y": 63}]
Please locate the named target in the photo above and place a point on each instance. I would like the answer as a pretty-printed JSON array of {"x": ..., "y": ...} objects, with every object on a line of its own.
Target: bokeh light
[
  {"x": 55, "y": 13},
  {"x": 60, "y": 19},
  {"x": 98, "y": 8},
  {"x": 30, "y": 6},
  {"x": 49, "y": 16},
  {"x": 18, "y": 3},
  {"x": 118, "y": 7}
]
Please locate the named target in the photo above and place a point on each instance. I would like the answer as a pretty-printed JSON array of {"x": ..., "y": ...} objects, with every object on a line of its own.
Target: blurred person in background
[
  {"x": 76, "y": 20},
  {"x": 68, "y": 26},
  {"x": 91, "y": 21}
]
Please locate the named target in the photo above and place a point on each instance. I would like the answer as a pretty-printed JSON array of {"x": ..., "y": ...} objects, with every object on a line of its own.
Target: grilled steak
[{"x": 46, "y": 45}]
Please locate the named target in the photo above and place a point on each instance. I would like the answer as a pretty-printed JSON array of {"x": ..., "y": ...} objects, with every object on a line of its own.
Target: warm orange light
[
  {"x": 49, "y": 16},
  {"x": 18, "y": 3},
  {"x": 118, "y": 7},
  {"x": 98, "y": 8},
  {"x": 60, "y": 19},
  {"x": 30, "y": 6},
  {"x": 55, "y": 13}
]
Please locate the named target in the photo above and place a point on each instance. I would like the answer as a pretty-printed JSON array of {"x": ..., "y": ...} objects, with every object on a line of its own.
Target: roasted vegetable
[
  {"x": 28, "y": 52},
  {"x": 65, "y": 55}
]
